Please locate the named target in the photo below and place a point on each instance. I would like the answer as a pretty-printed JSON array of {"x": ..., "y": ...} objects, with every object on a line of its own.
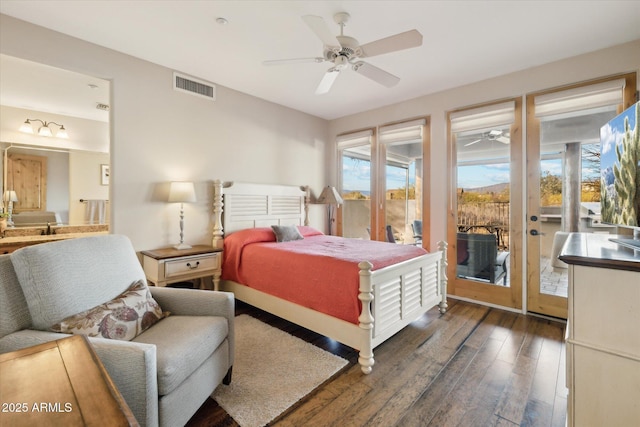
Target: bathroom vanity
[{"x": 19, "y": 237}]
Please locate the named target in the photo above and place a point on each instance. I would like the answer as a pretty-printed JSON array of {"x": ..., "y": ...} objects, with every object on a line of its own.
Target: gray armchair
[
  {"x": 478, "y": 258},
  {"x": 166, "y": 372}
]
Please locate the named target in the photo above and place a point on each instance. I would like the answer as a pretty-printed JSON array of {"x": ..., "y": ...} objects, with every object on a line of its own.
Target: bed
[{"x": 388, "y": 297}]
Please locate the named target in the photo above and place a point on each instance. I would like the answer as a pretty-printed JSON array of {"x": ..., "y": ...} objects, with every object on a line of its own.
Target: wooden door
[{"x": 27, "y": 176}]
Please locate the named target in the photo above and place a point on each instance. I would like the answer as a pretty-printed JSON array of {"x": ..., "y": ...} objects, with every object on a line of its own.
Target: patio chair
[
  {"x": 478, "y": 257},
  {"x": 416, "y": 227},
  {"x": 389, "y": 235}
]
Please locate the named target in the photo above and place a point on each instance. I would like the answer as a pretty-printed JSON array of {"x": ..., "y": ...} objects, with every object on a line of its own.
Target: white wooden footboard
[{"x": 397, "y": 295}]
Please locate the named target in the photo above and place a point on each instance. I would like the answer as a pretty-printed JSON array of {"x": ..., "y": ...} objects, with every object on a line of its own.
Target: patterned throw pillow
[{"x": 122, "y": 318}]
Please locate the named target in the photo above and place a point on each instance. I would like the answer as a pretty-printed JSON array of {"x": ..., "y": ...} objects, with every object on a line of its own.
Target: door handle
[{"x": 536, "y": 233}]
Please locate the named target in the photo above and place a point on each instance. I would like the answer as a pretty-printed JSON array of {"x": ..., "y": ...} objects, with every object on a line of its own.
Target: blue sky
[
  {"x": 611, "y": 135},
  {"x": 482, "y": 175},
  {"x": 356, "y": 175}
]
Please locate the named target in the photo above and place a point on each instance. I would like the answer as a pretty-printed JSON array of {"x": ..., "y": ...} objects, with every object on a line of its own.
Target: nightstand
[{"x": 168, "y": 265}]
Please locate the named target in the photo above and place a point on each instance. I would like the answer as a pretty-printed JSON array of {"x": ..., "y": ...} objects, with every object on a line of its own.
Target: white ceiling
[
  {"x": 32, "y": 86},
  {"x": 463, "y": 41}
]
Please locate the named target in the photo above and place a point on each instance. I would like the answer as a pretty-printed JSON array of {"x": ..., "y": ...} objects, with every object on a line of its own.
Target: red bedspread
[{"x": 319, "y": 272}]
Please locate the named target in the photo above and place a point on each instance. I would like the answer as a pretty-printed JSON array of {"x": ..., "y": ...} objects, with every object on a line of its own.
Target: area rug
[{"x": 272, "y": 371}]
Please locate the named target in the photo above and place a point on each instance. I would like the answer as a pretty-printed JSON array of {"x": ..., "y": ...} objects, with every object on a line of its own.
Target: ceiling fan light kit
[
  {"x": 343, "y": 51},
  {"x": 492, "y": 135}
]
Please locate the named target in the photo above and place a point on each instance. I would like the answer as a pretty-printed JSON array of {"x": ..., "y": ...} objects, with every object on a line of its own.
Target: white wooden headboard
[{"x": 237, "y": 206}]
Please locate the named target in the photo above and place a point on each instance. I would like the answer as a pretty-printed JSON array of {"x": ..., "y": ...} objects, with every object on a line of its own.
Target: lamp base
[{"x": 182, "y": 246}]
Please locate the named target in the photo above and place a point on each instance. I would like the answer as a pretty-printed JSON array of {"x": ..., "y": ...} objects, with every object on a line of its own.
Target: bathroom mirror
[{"x": 51, "y": 175}]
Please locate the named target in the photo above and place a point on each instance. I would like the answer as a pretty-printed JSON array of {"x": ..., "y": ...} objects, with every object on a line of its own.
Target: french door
[
  {"x": 484, "y": 227},
  {"x": 381, "y": 181},
  {"x": 563, "y": 178}
]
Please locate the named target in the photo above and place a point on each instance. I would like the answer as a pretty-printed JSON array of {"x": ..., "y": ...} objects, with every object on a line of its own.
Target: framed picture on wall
[{"x": 104, "y": 174}]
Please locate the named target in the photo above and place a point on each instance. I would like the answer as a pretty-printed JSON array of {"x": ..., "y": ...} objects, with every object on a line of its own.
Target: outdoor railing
[{"x": 485, "y": 218}]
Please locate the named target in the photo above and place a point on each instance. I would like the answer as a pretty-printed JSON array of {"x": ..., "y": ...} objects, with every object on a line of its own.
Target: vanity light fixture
[{"x": 44, "y": 130}]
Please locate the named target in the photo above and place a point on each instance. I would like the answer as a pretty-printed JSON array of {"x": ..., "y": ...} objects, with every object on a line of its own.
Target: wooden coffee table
[{"x": 59, "y": 383}]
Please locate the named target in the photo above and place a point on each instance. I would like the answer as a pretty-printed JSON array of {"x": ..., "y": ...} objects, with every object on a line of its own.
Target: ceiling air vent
[{"x": 194, "y": 87}]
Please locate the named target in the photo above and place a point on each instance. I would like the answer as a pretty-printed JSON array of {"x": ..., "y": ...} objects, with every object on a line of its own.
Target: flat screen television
[{"x": 620, "y": 173}]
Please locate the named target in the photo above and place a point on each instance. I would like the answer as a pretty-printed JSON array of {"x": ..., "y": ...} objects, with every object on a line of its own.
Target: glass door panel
[
  {"x": 403, "y": 193},
  {"x": 483, "y": 206},
  {"x": 356, "y": 191},
  {"x": 552, "y": 280}
]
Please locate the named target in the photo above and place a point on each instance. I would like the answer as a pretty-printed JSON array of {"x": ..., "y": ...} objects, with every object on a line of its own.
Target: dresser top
[{"x": 596, "y": 250}]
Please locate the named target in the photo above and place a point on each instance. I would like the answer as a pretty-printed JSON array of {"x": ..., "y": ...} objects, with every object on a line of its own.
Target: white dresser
[{"x": 603, "y": 332}]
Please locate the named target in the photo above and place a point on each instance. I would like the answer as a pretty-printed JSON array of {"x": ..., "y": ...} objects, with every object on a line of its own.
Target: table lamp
[
  {"x": 10, "y": 196},
  {"x": 182, "y": 192},
  {"x": 330, "y": 197}
]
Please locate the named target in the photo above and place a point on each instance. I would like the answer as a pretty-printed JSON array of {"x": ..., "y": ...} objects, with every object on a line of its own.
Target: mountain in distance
[
  {"x": 495, "y": 188},
  {"x": 363, "y": 192}
]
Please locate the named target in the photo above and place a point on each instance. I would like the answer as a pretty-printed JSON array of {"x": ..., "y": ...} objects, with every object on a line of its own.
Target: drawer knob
[{"x": 193, "y": 267}]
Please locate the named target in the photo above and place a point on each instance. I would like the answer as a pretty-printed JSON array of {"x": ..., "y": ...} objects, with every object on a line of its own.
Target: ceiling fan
[
  {"x": 344, "y": 51},
  {"x": 492, "y": 135}
]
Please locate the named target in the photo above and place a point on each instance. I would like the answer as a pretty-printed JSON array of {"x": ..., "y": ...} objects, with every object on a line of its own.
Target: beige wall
[
  {"x": 618, "y": 59},
  {"x": 159, "y": 135},
  {"x": 85, "y": 182}
]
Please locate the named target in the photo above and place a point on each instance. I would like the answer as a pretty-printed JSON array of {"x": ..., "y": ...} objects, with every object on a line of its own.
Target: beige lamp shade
[
  {"x": 330, "y": 196},
  {"x": 10, "y": 196},
  {"x": 182, "y": 192}
]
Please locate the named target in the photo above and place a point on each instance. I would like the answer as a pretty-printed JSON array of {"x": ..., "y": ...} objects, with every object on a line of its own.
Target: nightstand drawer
[{"x": 193, "y": 264}]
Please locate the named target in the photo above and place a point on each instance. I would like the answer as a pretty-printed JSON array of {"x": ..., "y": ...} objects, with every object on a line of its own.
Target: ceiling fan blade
[
  {"x": 504, "y": 139},
  {"x": 473, "y": 142},
  {"x": 317, "y": 59},
  {"x": 406, "y": 40},
  {"x": 327, "y": 81},
  {"x": 320, "y": 28},
  {"x": 376, "y": 74}
]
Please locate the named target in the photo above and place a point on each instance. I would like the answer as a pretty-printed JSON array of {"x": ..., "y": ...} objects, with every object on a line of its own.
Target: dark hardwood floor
[{"x": 473, "y": 366}]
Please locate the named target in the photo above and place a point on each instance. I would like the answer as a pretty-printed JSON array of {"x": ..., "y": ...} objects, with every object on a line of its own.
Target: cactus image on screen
[{"x": 620, "y": 165}]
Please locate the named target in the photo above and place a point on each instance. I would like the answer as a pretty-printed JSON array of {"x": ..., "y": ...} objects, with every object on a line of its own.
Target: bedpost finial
[{"x": 218, "y": 231}]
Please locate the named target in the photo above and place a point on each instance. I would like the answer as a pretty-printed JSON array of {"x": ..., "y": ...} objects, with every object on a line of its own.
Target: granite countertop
[
  {"x": 596, "y": 250},
  {"x": 54, "y": 228},
  {"x": 28, "y": 240}
]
